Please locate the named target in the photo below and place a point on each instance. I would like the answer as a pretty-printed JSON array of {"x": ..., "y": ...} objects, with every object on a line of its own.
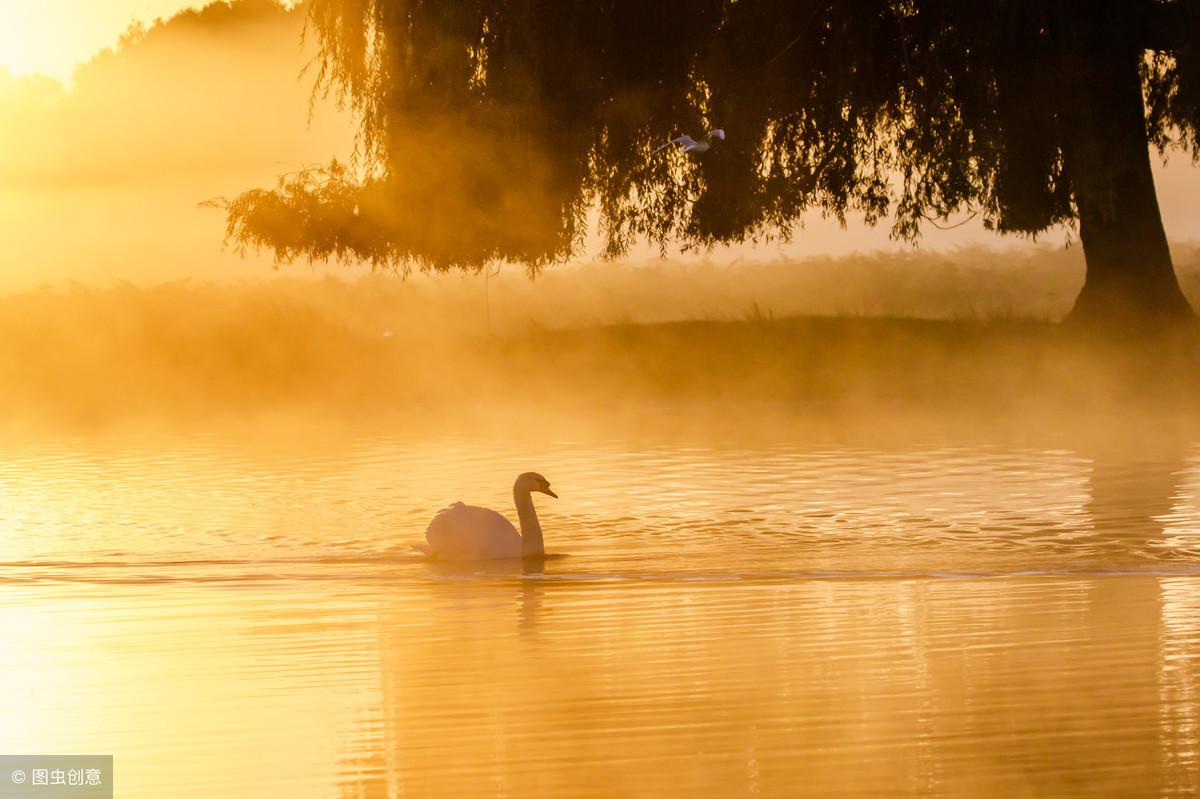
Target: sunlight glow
[{"x": 52, "y": 37}]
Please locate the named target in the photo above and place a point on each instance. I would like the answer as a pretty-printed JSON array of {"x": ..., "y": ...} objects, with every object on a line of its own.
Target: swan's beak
[{"x": 547, "y": 490}]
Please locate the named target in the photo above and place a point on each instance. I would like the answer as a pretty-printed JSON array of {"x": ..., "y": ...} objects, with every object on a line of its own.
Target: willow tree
[{"x": 496, "y": 129}]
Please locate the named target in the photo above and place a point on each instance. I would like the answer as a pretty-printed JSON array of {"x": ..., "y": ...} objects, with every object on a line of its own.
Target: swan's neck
[{"x": 531, "y": 530}]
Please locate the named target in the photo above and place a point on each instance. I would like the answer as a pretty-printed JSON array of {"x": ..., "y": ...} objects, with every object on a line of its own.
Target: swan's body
[{"x": 467, "y": 532}]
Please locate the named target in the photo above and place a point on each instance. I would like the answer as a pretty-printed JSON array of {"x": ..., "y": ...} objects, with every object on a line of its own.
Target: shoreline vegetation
[{"x": 600, "y": 339}]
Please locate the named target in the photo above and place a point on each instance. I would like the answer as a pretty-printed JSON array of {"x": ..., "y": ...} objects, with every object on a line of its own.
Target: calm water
[{"x": 237, "y": 617}]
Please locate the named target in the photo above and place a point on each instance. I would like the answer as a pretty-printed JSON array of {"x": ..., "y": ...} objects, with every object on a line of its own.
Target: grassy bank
[{"x": 185, "y": 351}]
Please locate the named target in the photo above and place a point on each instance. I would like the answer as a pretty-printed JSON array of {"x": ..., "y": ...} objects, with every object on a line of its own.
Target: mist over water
[
  {"x": 860, "y": 555},
  {"x": 921, "y": 617},
  {"x": 857, "y": 524}
]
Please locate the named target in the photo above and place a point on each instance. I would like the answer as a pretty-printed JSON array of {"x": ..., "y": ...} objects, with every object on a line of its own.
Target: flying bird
[{"x": 690, "y": 145}]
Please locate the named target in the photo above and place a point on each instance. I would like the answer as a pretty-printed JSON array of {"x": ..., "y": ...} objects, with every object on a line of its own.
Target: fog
[
  {"x": 103, "y": 181},
  {"x": 122, "y": 303},
  {"x": 594, "y": 346},
  {"x": 835, "y": 512}
]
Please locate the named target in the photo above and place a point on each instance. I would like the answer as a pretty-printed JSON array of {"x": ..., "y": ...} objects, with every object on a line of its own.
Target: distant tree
[{"x": 490, "y": 128}]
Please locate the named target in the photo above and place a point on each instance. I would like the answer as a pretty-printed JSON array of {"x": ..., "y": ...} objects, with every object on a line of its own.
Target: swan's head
[
  {"x": 532, "y": 481},
  {"x": 717, "y": 133}
]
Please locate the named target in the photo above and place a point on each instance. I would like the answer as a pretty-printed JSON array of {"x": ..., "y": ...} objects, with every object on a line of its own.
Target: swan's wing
[{"x": 466, "y": 532}]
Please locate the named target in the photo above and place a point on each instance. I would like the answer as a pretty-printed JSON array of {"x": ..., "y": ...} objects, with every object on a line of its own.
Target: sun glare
[{"x": 52, "y": 37}]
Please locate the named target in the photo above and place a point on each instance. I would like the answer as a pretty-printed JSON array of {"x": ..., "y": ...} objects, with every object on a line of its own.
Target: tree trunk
[{"x": 1130, "y": 277}]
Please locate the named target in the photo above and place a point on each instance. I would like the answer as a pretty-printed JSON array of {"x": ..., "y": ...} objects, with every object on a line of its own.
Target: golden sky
[{"x": 53, "y": 36}]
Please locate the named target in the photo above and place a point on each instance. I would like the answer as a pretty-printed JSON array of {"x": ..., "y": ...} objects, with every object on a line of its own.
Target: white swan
[{"x": 466, "y": 532}]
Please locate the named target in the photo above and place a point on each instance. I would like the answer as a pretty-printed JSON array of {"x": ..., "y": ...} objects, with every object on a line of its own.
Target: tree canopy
[{"x": 490, "y": 129}]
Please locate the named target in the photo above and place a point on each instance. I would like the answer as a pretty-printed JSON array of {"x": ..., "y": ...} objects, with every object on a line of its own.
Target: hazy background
[
  {"x": 118, "y": 299},
  {"x": 102, "y": 166},
  {"x": 781, "y": 470}
]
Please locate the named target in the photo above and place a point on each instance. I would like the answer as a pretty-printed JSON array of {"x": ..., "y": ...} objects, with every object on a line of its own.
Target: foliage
[{"x": 490, "y": 128}]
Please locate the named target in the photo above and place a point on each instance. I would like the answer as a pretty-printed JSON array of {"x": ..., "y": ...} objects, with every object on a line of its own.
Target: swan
[{"x": 466, "y": 532}]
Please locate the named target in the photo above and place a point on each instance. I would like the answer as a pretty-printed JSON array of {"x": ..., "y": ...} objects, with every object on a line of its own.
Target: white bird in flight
[{"x": 690, "y": 145}]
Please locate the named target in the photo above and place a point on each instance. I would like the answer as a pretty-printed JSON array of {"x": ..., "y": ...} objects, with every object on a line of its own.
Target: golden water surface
[{"x": 234, "y": 617}]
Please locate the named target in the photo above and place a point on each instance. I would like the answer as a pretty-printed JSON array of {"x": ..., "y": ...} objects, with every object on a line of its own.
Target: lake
[{"x": 240, "y": 615}]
